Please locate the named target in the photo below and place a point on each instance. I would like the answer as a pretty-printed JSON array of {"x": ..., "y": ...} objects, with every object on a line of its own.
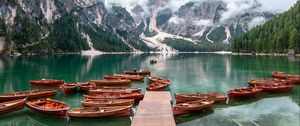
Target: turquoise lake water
[{"x": 189, "y": 73}]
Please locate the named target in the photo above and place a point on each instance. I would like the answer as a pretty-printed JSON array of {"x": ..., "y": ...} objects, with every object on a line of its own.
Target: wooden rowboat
[
  {"x": 133, "y": 95},
  {"x": 244, "y": 92},
  {"x": 86, "y": 86},
  {"x": 33, "y": 94},
  {"x": 68, "y": 88},
  {"x": 157, "y": 86},
  {"x": 47, "y": 82},
  {"x": 263, "y": 81},
  {"x": 11, "y": 106},
  {"x": 216, "y": 97},
  {"x": 96, "y": 112},
  {"x": 154, "y": 78},
  {"x": 187, "y": 107},
  {"x": 276, "y": 88},
  {"x": 111, "y": 82},
  {"x": 132, "y": 77},
  {"x": 283, "y": 75},
  {"x": 135, "y": 77},
  {"x": 137, "y": 73},
  {"x": 114, "y": 90},
  {"x": 107, "y": 102},
  {"x": 123, "y": 76},
  {"x": 293, "y": 80},
  {"x": 49, "y": 107},
  {"x": 114, "y": 77}
]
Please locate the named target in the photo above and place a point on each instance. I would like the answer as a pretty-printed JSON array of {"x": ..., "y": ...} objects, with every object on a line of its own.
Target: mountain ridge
[{"x": 57, "y": 26}]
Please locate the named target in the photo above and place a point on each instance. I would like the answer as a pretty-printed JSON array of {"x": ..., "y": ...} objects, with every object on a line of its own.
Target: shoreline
[
  {"x": 263, "y": 54},
  {"x": 167, "y": 53}
]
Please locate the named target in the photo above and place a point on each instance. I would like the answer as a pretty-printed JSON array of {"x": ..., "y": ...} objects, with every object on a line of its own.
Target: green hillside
[{"x": 278, "y": 35}]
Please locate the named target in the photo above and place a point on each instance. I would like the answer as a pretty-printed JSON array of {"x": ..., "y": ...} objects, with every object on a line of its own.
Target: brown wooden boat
[
  {"x": 244, "y": 92},
  {"x": 107, "y": 102},
  {"x": 114, "y": 90},
  {"x": 68, "y": 87},
  {"x": 123, "y": 76},
  {"x": 276, "y": 88},
  {"x": 96, "y": 112},
  {"x": 32, "y": 94},
  {"x": 135, "y": 77},
  {"x": 154, "y": 78},
  {"x": 192, "y": 106},
  {"x": 114, "y": 77},
  {"x": 293, "y": 80},
  {"x": 263, "y": 81},
  {"x": 11, "y": 106},
  {"x": 86, "y": 86},
  {"x": 133, "y": 95},
  {"x": 111, "y": 82},
  {"x": 216, "y": 97},
  {"x": 49, "y": 107},
  {"x": 157, "y": 86},
  {"x": 47, "y": 82},
  {"x": 137, "y": 72},
  {"x": 283, "y": 75}
]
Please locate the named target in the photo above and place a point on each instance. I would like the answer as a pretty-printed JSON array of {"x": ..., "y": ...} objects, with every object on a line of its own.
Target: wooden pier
[{"x": 154, "y": 110}]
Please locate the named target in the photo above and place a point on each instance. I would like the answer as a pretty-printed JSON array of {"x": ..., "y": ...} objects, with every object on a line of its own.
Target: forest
[{"x": 278, "y": 35}]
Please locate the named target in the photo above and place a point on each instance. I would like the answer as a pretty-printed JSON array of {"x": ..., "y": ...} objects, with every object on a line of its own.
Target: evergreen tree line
[{"x": 278, "y": 35}]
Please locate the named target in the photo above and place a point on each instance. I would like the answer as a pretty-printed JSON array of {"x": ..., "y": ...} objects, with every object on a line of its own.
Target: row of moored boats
[
  {"x": 118, "y": 101},
  {"x": 98, "y": 102}
]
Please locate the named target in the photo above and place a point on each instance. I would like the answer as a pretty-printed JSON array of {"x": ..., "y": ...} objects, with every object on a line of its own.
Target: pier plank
[{"x": 154, "y": 110}]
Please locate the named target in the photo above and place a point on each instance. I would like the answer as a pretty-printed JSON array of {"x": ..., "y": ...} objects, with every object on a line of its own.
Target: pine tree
[
  {"x": 294, "y": 37},
  {"x": 277, "y": 35}
]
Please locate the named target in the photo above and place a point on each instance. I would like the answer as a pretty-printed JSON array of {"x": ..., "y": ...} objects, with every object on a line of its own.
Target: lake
[{"x": 189, "y": 73}]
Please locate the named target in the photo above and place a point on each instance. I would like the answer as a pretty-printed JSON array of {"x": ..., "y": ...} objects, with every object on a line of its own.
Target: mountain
[
  {"x": 278, "y": 35},
  {"x": 66, "y": 26},
  {"x": 60, "y": 26}
]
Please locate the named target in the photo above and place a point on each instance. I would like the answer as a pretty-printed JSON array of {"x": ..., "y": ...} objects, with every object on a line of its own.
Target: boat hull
[
  {"x": 294, "y": 80},
  {"x": 17, "y": 105},
  {"x": 258, "y": 82},
  {"x": 123, "y": 112},
  {"x": 157, "y": 86},
  {"x": 188, "y": 107},
  {"x": 282, "y": 75},
  {"x": 61, "y": 113},
  {"x": 68, "y": 88},
  {"x": 136, "y": 96},
  {"x": 47, "y": 82},
  {"x": 233, "y": 94},
  {"x": 99, "y": 104},
  {"x": 216, "y": 97},
  {"x": 276, "y": 88},
  {"x": 41, "y": 94},
  {"x": 137, "y": 73},
  {"x": 86, "y": 86},
  {"x": 111, "y": 82}
]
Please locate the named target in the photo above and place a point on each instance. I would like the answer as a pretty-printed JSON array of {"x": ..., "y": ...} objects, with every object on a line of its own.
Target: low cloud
[
  {"x": 237, "y": 7},
  {"x": 203, "y": 22},
  {"x": 176, "y": 20},
  {"x": 233, "y": 8},
  {"x": 256, "y": 21}
]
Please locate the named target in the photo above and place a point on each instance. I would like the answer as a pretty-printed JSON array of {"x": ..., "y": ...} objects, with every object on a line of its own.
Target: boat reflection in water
[
  {"x": 266, "y": 111},
  {"x": 115, "y": 121}
]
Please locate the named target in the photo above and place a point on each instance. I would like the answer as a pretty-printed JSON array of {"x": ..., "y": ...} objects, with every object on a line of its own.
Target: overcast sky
[
  {"x": 277, "y": 5},
  {"x": 270, "y": 5}
]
